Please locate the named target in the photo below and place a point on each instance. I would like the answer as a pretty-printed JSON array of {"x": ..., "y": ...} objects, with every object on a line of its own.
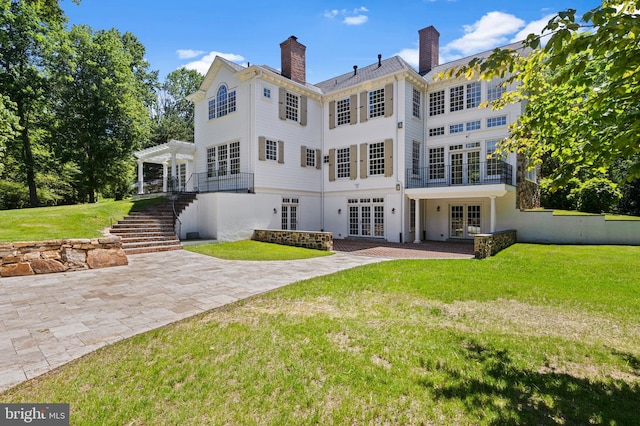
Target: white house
[{"x": 382, "y": 151}]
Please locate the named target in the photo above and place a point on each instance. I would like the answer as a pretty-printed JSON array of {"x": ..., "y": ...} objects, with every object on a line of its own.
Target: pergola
[{"x": 171, "y": 153}]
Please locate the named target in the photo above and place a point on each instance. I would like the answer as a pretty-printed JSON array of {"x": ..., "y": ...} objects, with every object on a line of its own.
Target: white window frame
[
  {"x": 223, "y": 103},
  {"x": 376, "y": 159},
  {"x": 343, "y": 163},
  {"x": 456, "y": 128},
  {"x": 417, "y": 97},
  {"x": 498, "y": 121},
  {"x": 416, "y": 148},
  {"x": 495, "y": 89},
  {"x": 223, "y": 159},
  {"x": 474, "y": 94},
  {"x": 343, "y": 112},
  {"x": 289, "y": 214},
  {"x": 292, "y": 106},
  {"x": 436, "y": 131},
  {"x": 270, "y": 150},
  {"x": 376, "y": 103},
  {"x": 456, "y": 98},
  {"x": 311, "y": 157},
  {"x": 436, "y": 103}
]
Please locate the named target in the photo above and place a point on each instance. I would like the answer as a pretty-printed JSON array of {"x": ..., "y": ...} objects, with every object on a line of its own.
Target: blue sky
[{"x": 337, "y": 34}]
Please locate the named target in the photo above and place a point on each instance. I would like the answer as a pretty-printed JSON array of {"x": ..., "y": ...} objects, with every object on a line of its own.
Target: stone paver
[
  {"x": 48, "y": 320},
  {"x": 423, "y": 250}
]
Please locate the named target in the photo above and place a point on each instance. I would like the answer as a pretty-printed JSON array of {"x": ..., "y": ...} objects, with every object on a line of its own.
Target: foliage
[
  {"x": 581, "y": 90},
  {"x": 29, "y": 32},
  {"x": 554, "y": 341},
  {"x": 101, "y": 115},
  {"x": 173, "y": 114},
  {"x": 254, "y": 250},
  {"x": 596, "y": 195},
  {"x": 8, "y": 125}
]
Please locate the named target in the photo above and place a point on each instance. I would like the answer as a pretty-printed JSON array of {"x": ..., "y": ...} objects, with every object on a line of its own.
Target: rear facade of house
[{"x": 382, "y": 151}]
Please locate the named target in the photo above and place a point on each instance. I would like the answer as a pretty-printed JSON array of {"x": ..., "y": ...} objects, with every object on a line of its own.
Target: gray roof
[
  {"x": 370, "y": 72},
  {"x": 233, "y": 65},
  {"x": 462, "y": 61}
]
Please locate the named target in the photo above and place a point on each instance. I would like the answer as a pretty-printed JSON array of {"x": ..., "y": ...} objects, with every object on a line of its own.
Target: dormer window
[{"x": 224, "y": 103}]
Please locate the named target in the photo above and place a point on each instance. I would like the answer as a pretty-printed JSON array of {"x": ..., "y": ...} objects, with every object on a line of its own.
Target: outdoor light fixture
[
  {"x": 400, "y": 125},
  {"x": 438, "y": 208},
  {"x": 393, "y": 210},
  {"x": 275, "y": 211},
  {"x": 339, "y": 211},
  {"x": 397, "y": 187}
]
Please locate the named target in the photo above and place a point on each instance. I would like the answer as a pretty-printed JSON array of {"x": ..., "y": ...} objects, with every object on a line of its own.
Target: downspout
[
  {"x": 322, "y": 166},
  {"x": 396, "y": 100},
  {"x": 250, "y": 159}
]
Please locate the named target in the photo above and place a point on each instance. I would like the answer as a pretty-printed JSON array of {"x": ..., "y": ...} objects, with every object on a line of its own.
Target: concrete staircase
[{"x": 153, "y": 229}]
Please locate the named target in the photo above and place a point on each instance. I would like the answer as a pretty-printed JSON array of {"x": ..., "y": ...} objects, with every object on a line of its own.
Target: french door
[
  {"x": 464, "y": 220},
  {"x": 366, "y": 217},
  {"x": 465, "y": 167}
]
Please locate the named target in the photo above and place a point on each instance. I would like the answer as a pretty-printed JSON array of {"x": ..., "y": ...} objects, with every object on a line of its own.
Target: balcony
[
  {"x": 476, "y": 173},
  {"x": 218, "y": 182}
]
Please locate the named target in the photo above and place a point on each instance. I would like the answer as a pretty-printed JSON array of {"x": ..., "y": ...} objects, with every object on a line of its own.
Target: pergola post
[
  {"x": 165, "y": 172},
  {"x": 174, "y": 170},
  {"x": 140, "y": 177}
]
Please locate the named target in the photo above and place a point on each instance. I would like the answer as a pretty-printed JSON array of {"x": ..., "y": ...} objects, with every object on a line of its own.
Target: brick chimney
[
  {"x": 429, "y": 49},
  {"x": 292, "y": 55}
]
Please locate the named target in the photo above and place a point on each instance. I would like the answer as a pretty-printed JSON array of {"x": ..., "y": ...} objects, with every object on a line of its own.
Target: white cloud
[
  {"x": 412, "y": 56},
  {"x": 202, "y": 65},
  {"x": 188, "y": 53},
  {"x": 331, "y": 13},
  {"x": 356, "y": 20},
  {"x": 351, "y": 17},
  {"x": 492, "y": 30}
]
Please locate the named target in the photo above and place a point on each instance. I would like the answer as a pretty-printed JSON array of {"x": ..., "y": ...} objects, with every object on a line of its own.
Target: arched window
[{"x": 221, "y": 101}]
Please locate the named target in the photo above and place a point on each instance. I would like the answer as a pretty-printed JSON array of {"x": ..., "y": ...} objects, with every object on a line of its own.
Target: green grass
[
  {"x": 254, "y": 250},
  {"x": 535, "y": 335},
  {"x": 75, "y": 221}
]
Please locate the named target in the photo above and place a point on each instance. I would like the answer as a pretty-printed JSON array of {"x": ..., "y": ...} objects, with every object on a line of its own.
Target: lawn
[
  {"x": 535, "y": 335},
  {"x": 254, "y": 250},
  {"x": 76, "y": 221}
]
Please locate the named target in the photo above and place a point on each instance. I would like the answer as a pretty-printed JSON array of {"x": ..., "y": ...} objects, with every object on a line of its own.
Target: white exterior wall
[
  {"x": 230, "y": 128},
  {"x": 373, "y": 130},
  {"x": 271, "y": 175}
]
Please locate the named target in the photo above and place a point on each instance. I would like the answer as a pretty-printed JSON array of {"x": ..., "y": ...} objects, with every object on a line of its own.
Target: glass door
[{"x": 464, "y": 220}]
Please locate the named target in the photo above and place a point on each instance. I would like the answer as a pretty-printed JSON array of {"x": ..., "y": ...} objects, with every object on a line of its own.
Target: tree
[
  {"x": 581, "y": 91},
  {"x": 102, "y": 83},
  {"x": 172, "y": 113},
  {"x": 29, "y": 29},
  {"x": 8, "y": 125}
]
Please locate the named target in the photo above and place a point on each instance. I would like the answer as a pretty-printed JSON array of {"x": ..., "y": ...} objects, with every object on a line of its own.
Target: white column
[
  {"x": 174, "y": 171},
  {"x": 188, "y": 173},
  {"x": 493, "y": 213},
  {"x": 165, "y": 172},
  {"x": 140, "y": 177},
  {"x": 417, "y": 230}
]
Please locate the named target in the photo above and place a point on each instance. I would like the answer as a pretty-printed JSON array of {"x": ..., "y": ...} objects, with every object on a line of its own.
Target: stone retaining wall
[
  {"x": 44, "y": 257},
  {"x": 306, "y": 239},
  {"x": 485, "y": 245}
]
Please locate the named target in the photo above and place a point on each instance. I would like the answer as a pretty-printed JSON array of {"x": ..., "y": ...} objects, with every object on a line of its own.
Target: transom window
[
  {"x": 436, "y": 103},
  {"x": 436, "y": 131},
  {"x": 271, "y": 150},
  {"x": 376, "y": 103},
  {"x": 342, "y": 111},
  {"x": 456, "y": 128},
  {"x": 456, "y": 98},
  {"x": 495, "y": 89},
  {"x": 343, "y": 163},
  {"x": 376, "y": 159},
  {"x": 224, "y": 103},
  {"x": 497, "y": 121},
  {"x": 474, "y": 94},
  {"x": 416, "y": 103},
  {"x": 473, "y": 125},
  {"x": 292, "y": 102}
]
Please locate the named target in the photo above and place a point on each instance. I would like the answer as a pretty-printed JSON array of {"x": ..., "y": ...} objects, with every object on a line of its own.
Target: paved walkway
[{"x": 48, "y": 320}]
